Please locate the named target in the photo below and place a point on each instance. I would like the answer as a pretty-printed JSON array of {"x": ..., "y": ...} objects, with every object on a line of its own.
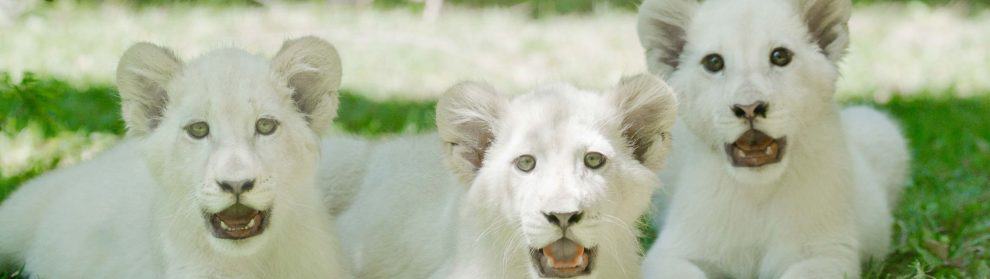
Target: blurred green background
[
  {"x": 536, "y": 8},
  {"x": 927, "y": 63}
]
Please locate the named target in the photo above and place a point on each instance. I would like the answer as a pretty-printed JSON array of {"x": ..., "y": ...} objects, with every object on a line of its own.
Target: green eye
[
  {"x": 594, "y": 160},
  {"x": 525, "y": 163},
  {"x": 198, "y": 130},
  {"x": 713, "y": 63},
  {"x": 266, "y": 126},
  {"x": 781, "y": 56}
]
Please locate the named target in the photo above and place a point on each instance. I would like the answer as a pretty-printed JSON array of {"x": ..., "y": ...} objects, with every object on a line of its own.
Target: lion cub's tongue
[
  {"x": 238, "y": 215},
  {"x": 564, "y": 253},
  {"x": 753, "y": 140}
]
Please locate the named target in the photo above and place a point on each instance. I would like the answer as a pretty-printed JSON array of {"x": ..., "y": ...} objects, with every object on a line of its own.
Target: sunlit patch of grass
[
  {"x": 396, "y": 54},
  {"x": 943, "y": 219}
]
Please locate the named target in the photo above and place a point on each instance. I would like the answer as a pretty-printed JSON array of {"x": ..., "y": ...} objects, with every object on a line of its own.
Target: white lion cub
[
  {"x": 547, "y": 184},
  {"x": 770, "y": 179},
  {"x": 215, "y": 181}
]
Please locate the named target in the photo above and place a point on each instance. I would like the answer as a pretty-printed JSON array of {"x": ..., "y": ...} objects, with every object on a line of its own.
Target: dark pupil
[
  {"x": 780, "y": 57},
  {"x": 713, "y": 63}
]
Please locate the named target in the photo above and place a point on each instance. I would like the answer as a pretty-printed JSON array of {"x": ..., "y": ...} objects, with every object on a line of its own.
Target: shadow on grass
[{"x": 943, "y": 220}]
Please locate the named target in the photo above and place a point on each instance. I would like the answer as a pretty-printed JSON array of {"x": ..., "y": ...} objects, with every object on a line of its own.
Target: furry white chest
[{"x": 830, "y": 210}]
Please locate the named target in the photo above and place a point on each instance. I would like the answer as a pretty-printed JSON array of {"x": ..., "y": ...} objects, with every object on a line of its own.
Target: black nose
[
  {"x": 564, "y": 219},
  {"x": 236, "y": 187},
  {"x": 751, "y": 111}
]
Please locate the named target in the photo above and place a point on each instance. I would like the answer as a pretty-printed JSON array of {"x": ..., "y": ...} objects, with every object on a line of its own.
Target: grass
[{"x": 943, "y": 220}]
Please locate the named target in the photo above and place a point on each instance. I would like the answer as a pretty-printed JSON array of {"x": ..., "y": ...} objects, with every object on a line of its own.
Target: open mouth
[
  {"x": 563, "y": 258},
  {"x": 755, "y": 148},
  {"x": 238, "y": 222}
]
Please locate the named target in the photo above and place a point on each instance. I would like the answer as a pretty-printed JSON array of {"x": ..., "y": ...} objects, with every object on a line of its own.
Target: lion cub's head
[
  {"x": 231, "y": 137},
  {"x": 564, "y": 171},
  {"x": 751, "y": 75}
]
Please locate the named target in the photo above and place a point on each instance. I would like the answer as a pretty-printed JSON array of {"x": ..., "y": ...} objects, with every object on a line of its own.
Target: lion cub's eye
[
  {"x": 781, "y": 56},
  {"x": 594, "y": 160},
  {"x": 198, "y": 130},
  {"x": 525, "y": 163},
  {"x": 713, "y": 63},
  {"x": 266, "y": 126}
]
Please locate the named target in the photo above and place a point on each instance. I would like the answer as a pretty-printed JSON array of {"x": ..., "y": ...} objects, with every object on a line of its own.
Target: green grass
[
  {"x": 56, "y": 106},
  {"x": 943, "y": 220}
]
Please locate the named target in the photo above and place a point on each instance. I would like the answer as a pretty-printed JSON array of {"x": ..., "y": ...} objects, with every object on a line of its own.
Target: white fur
[
  {"x": 137, "y": 211},
  {"x": 826, "y": 206},
  {"x": 480, "y": 217}
]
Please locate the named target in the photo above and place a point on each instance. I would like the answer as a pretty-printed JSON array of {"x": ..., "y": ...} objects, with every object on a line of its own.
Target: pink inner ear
[{"x": 473, "y": 156}]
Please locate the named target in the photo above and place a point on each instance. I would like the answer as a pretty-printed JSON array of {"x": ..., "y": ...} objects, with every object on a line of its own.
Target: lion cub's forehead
[
  {"x": 553, "y": 114},
  {"x": 231, "y": 77},
  {"x": 759, "y": 22},
  {"x": 745, "y": 14}
]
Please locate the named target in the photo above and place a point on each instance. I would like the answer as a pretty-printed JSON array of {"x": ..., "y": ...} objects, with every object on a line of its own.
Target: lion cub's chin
[
  {"x": 239, "y": 247},
  {"x": 762, "y": 175}
]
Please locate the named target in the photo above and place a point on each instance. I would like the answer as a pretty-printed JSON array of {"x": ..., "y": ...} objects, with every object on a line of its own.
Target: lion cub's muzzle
[
  {"x": 563, "y": 258},
  {"x": 238, "y": 221},
  {"x": 755, "y": 148}
]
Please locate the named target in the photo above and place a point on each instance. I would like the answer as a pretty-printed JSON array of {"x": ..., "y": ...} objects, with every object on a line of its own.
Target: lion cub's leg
[
  {"x": 669, "y": 266},
  {"x": 880, "y": 164}
]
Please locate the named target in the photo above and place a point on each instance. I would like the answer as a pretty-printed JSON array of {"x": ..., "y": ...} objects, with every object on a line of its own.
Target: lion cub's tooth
[
  {"x": 250, "y": 224},
  {"x": 740, "y": 153},
  {"x": 224, "y": 226}
]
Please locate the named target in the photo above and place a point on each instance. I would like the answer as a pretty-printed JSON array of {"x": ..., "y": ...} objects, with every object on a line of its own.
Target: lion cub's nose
[
  {"x": 751, "y": 111},
  {"x": 564, "y": 219},
  {"x": 236, "y": 187}
]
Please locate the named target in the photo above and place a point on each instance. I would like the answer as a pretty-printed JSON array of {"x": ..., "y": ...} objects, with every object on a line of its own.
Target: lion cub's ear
[
  {"x": 662, "y": 28},
  {"x": 311, "y": 67},
  {"x": 142, "y": 76},
  {"x": 647, "y": 108},
  {"x": 828, "y": 25},
  {"x": 466, "y": 117}
]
